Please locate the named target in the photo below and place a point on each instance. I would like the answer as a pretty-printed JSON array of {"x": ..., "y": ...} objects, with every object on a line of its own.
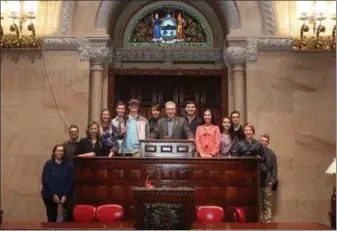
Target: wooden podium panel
[
  {"x": 164, "y": 208},
  {"x": 225, "y": 182},
  {"x": 166, "y": 148}
]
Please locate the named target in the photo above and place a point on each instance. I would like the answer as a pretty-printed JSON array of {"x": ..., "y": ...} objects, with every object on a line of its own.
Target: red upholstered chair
[
  {"x": 110, "y": 213},
  {"x": 239, "y": 215},
  {"x": 84, "y": 213},
  {"x": 210, "y": 214}
]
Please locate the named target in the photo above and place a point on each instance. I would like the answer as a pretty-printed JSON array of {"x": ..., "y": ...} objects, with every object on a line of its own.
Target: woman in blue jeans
[{"x": 57, "y": 182}]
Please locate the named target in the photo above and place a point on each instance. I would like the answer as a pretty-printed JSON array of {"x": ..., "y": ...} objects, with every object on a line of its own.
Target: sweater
[{"x": 57, "y": 179}]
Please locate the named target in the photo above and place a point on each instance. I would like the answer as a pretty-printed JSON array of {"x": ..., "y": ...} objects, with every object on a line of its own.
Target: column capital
[
  {"x": 238, "y": 67},
  {"x": 97, "y": 64}
]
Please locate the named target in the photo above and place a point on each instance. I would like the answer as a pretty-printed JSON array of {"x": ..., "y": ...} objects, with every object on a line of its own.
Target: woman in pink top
[{"x": 207, "y": 137}]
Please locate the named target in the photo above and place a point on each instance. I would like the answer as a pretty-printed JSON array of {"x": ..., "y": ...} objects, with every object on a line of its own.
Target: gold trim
[
  {"x": 12, "y": 41},
  {"x": 315, "y": 44}
]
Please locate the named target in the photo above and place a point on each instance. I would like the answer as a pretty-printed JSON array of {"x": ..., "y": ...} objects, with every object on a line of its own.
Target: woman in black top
[
  {"x": 153, "y": 120},
  {"x": 57, "y": 182},
  {"x": 91, "y": 145},
  {"x": 251, "y": 147}
]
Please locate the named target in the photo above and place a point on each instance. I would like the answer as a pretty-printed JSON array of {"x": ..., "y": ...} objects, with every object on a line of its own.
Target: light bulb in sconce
[
  {"x": 303, "y": 9},
  {"x": 31, "y": 7},
  {"x": 333, "y": 10},
  {"x": 319, "y": 9},
  {"x": 3, "y": 7},
  {"x": 14, "y": 7}
]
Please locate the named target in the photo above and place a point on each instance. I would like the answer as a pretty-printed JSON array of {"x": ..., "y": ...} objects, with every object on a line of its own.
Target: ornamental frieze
[{"x": 96, "y": 48}]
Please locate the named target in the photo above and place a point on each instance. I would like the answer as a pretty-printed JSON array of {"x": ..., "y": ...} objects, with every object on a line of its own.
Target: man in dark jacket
[
  {"x": 267, "y": 182},
  {"x": 171, "y": 126},
  {"x": 238, "y": 128},
  {"x": 191, "y": 118},
  {"x": 70, "y": 146}
]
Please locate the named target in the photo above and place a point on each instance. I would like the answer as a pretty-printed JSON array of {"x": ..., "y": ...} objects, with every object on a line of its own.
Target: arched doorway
[{"x": 168, "y": 51}]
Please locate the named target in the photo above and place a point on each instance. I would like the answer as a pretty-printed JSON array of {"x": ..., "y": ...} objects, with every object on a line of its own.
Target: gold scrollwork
[
  {"x": 315, "y": 44},
  {"x": 12, "y": 41}
]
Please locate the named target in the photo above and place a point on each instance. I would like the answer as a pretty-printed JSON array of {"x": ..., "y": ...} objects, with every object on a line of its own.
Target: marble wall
[
  {"x": 33, "y": 120},
  {"x": 292, "y": 96}
]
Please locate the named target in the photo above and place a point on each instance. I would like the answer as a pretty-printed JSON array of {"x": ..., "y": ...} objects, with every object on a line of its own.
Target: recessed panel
[
  {"x": 231, "y": 193},
  {"x": 150, "y": 148},
  {"x": 166, "y": 149},
  {"x": 182, "y": 149}
]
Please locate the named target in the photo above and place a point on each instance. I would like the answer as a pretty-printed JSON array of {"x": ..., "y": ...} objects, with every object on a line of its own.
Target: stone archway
[{"x": 229, "y": 9}]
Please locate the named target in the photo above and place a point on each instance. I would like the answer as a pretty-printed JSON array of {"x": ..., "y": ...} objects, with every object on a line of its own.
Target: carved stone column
[
  {"x": 95, "y": 89},
  {"x": 239, "y": 89}
]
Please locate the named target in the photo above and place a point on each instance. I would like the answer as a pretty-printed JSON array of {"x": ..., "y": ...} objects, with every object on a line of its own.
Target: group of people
[{"x": 121, "y": 135}]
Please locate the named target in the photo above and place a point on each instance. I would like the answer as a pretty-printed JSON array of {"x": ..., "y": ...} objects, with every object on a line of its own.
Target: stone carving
[
  {"x": 235, "y": 54},
  {"x": 89, "y": 48},
  {"x": 275, "y": 44},
  {"x": 251, "y": 54},
  {"x": 161, "y": 54},
  {"x": 229, "y": 9},
  {"x": 61, "y": 43},
  {"x": 268, "y": 17},
  {"x": 232, "y": 14},
  {"x": 104, "y": 10},
  {"x": 66, "y": 16},
  {"x": 89, "y": 51}
]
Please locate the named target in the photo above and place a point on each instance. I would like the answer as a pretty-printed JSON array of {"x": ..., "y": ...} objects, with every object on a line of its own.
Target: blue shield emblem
[{"x": 168, "y": 28}]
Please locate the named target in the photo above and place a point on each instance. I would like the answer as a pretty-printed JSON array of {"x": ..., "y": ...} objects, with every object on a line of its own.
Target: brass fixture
[
  {"x": 315, "y": 42},
  {"x": 21, "y": 13}
]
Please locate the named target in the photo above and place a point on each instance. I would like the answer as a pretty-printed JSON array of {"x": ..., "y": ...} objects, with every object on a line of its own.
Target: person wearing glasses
[
  {"x": 57, "y": 182},
  {"x": 71, "y": 144},
  {"x": 69, "y": 150}
]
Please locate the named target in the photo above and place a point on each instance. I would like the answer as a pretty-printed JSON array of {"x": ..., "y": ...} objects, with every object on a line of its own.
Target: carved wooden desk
[
  {"x": 226, "y": 182},
  {"x": 166, "y": 148},
  {"x": 164, "y": 208}
]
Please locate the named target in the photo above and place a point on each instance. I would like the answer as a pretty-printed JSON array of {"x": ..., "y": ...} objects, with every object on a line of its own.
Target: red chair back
[
  {"x": 240, "y": 215},
  {"x": 84, "y": 213},
  {"x": 110, "y": 213},
  {"x": 210, "y": 214}
]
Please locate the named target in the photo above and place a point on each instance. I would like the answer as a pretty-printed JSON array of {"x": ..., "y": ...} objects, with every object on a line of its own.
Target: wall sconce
[
  {"x": 20, "y": 12},
  {"x": 316, "y": 15}
]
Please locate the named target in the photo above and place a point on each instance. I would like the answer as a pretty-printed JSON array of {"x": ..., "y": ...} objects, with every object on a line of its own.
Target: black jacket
[
  {"x": 153, "y": 123},
  {"x": 271, "y": 166},
  {"x": 255, "y": 148}
]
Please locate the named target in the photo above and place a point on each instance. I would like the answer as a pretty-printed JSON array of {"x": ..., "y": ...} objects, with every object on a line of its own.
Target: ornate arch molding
[
  {"x": 268, "y": 16},
  {"x": 229, "y": 10},
  {"x": 66, "y": 16}
]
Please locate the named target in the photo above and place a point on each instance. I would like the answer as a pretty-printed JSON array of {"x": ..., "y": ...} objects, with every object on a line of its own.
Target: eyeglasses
[
  {"x": 59, "y": 150},
  {"x": 73, "y": 131}
]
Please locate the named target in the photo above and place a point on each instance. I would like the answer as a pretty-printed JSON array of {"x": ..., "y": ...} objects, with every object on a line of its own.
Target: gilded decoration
[
  {"x": 315, "y": 44},
  {"x": 168, "y": 25},
  {"x": 13, "y": 41}
]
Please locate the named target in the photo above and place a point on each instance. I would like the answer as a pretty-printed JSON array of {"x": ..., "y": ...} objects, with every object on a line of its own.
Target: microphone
[{"x": 148, "y": 183}]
